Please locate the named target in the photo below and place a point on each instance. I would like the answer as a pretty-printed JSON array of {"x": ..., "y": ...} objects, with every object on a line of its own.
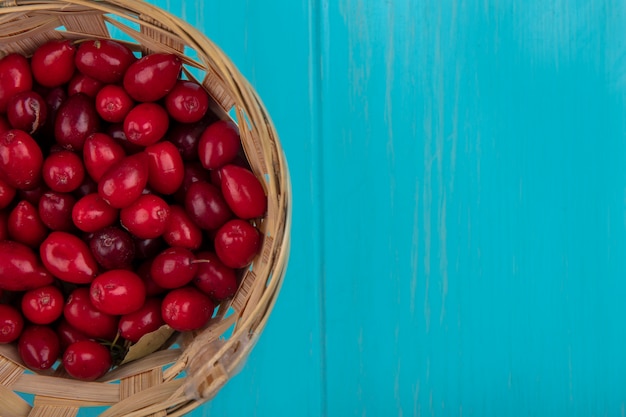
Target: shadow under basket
[{"x": 171, "y": 381}]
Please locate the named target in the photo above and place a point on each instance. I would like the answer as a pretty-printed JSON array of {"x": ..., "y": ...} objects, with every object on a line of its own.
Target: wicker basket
[{"x": 169, "y": 382}]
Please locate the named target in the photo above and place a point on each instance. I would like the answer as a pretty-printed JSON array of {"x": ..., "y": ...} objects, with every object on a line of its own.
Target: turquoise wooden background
[{"x": 459, "y": 227}]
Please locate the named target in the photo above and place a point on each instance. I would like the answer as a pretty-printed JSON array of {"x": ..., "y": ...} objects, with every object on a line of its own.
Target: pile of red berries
[{"x": 125, "y": 204}]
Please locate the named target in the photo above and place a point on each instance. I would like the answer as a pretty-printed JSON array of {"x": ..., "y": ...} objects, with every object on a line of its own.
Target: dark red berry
[
  {"x": 173, "y": 268},
  {"x": 27, "y": 111},
  {"x": 181, "y": 230},
  {"x": 113, "y": 248},
  {"x": 100, "y": 152},
  {"x": 81, "y": 314},
  {"x": 25, "y": 225},
  {"x": 39, "y": 347},
  {"x": 214, "y": 278},
  {"x": 75, "y": 121},
  {"x": 20, "y": 268},
  {"x": 11, "y": 324},
  {"x": 206, "y": 206},
  {"x": 15, "y": 77},
  {"x": 147, "y": 319},
  {"x": 219, "y": 144},
  {"x": 55, "y": 210},
  {"x": 81, "y": 83}
]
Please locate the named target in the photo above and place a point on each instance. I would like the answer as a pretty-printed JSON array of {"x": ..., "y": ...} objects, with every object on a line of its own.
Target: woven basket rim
[{"x": 174, "y": 381}]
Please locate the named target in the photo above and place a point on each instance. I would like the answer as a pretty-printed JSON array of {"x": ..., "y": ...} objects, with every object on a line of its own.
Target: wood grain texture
[{"x": 459, "y": 176}]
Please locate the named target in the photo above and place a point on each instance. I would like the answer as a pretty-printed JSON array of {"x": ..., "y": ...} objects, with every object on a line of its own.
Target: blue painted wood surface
[{"x": 459, "y": 221}]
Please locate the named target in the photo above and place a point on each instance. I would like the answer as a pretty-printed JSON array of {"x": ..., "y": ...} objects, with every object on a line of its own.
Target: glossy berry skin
[
  {"x": 27, "y": 111},
  {"x": 181, "y": 230},
  {"x": 100, "y": 152},
  {"x": 43, "y": 305},
  {"x": 87, "y": 360},
  {"x": 219, "y": 144},
  {"x": 243, "y": 192},
  {"x": 124, "y": 181},
  {"x": 147, "y": 319},
  {"x": 146, "y": 124},
  {"x": 21, "y": 160},
  {"x": 173, "y": 268},
  {"x": 76, "y": 119},
  {"x": 20, "y": 268},
  {"x": 81, "y": 83},
  {"x": 187, "y": 308},
  {"x": 63, "y": 171},
  {"x": 81, "y": 314},
  {"x": 68, "y": 258},
  {"x": 206, "y": 206},
  {"x": 113, "y": 248},
  {"x": 55, "y": 210},
  {"x": 165, "y": 169},
  {"x": 11, "y": 324},
  {"x": 92, "y": 213},
  {"x": 147, "y": 217},
  {"x": 25, "y": 225},
  {"x": 7, "y": 193},
  {"x": 53, "y": 63},
  {"x": 39, "y": 347},
  {"x": 117, "y": 292},
  {"x": 113, "y": 103},
  {"x": 104, "y": 60},
  {"x": 187, "y": 102},
  {"x": 237, "y": 243},
  {"x": 194, "y": 172},
  {"x": 214, "y": 278},
  {"x": 151, "y": 77},
  {"x": 15, "y": 77}
]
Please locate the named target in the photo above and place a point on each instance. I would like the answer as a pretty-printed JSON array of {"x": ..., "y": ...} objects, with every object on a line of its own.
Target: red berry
[
  {"x": 214, "y": 278},
  {"x": 68, "y": 258},
  {"x": 55, "y": 210},
  {"x": 147, "y": 217},
  {"x": 43, "y": 305},
  {"x": 6, "y": 194},
  {"x": 147, "y": 319},
  {"x": 187, "y": 102},
  {"x": 173, "y": 268},
  {"x": 104, "y": 60},
  {"x": 63, "y": 171},
  {"x": 243, "y": 192},
  {"x": 20, "y": 159},
  {"x": 27, "y": 111},
  {"x": 187, "y": 308},
  {"x": 15, "y": 77},
  {"x": 39, "y": 347},
  {"x": 75, "y": 121},
  {"x": 11, "y": 324},
  {"x": 152, "y": 77},
  {"x": 81, "y": 314},
  {"x": 166, "y": 169},
  {"x": 113, "y": 103},
  {"x": 117, "y": 292},
  {"x": 124, "y": 181},
  {"x": 81, "y": 83},
  {"x": 219, "y": 144},
  {"x": 87, "y": 360},
  {"x": 100, "y": 152},
  {"x": 20, "y": 268},
  {"x": 206, "y": 206},
  {"x": 25, "y": 225},
  {"x": 53, "y": 63},
  {"x": 146, "y": 124},
  {"x": 92, "y": 213},
  {"x": 237, "y": 243},
  {"x": 148, "y": 248},
  {"x": 181, "y": 230}
]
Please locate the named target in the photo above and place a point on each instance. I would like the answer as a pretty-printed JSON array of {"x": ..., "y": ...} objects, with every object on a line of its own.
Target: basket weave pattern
[{"x": 169, "y": 382}]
